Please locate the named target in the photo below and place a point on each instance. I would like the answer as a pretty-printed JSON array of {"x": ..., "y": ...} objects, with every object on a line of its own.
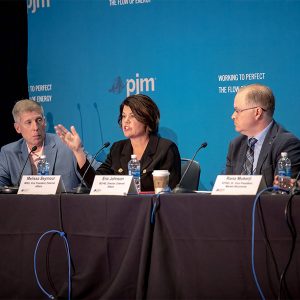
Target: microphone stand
[
  {"x": 178, "y": 189},
  {"x": 81, "y": 189}
]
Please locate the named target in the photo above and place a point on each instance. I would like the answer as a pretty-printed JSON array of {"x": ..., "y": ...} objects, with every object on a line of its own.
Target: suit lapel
[
  {"x": 149, "y": 152},
  {"x": 50, "y": 150},
  {"x": 266, "y": 147},
  {"x": 125, "y": 157},
  {"x": 146, "y": 158},
  {"x": 242, "y": 155}
]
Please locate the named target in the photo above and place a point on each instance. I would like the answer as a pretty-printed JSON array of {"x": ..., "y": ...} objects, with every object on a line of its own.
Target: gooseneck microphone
[
  {"x": 99, "y": 120},
  {"x": 14, "y": 189},
  {"x": 81, "y": 189},
  {"x": 178, "y": 188}
]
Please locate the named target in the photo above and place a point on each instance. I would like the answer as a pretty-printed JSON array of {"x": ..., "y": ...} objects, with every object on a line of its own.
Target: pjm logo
[
  {"x": 35, "y": 4},
  {"x": 117, "y": 86},
  {"x": 138, "y": 85},
  {"x": 134, "y": 85}
]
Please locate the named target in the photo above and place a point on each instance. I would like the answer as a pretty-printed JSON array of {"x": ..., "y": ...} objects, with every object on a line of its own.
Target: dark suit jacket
[
  {"x": 277, "y": 140},
  {"x": 160, "y": 154}
]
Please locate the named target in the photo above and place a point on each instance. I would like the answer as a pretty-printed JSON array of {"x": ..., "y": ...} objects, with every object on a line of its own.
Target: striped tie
[{"x": 248, "y": 164}]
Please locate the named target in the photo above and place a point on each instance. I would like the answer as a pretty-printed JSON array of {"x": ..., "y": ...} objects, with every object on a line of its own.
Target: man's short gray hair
[{"x": 26, "y": 105}]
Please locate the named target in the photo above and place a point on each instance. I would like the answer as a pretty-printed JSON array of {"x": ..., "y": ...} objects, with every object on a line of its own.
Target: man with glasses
[
  {"x": 29, "y": 121},
  {"x": 257, "y": 150}
]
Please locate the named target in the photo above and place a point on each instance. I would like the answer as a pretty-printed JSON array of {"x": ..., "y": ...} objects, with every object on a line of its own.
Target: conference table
[{"x": 172, "y": 246}]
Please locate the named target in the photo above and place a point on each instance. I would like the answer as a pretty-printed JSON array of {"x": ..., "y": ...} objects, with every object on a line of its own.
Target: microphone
[
  {"x": 14, "y": 189},
  {"x": 83, "y": 189},
  {"x": 178, "y": 188},
  {"x": 99, "y": 120},
  {"x": 81, "y": 123}
]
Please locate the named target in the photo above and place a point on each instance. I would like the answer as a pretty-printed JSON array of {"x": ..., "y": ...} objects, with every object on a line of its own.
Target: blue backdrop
[{"x": 86, "y": 56}]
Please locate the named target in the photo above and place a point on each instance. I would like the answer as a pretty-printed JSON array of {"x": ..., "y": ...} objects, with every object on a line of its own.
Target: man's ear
[
  {"x": 259, "y": 112},
  {"x": 17, "y": 127}
]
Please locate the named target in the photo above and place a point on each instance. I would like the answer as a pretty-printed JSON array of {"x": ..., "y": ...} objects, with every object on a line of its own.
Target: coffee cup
[{"x": 161, "y": 180}]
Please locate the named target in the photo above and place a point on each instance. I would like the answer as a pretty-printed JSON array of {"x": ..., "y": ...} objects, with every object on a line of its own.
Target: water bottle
[
  {"x": 43, "y": 166},
  {"x": 284, "y": 171},
  {"x": 134, "y": 169}
]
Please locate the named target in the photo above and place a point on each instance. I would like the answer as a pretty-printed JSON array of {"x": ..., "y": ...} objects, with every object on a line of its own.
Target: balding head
[{"x": 259, "y": 95}]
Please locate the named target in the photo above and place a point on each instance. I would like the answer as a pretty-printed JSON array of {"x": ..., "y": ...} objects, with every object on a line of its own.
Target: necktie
[{"x": 248, "y": 164}]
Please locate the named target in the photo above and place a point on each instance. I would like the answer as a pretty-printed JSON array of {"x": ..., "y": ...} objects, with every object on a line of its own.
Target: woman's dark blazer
[{"x": 160, "y": 154}]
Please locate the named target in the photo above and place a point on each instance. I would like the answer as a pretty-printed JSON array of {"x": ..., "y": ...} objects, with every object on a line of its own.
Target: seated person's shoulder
[
  {"x": 287, "y": 138},
  {"x": 285, "y": 134},
  {"x": 120, "y": 144},
  {"x": 165, "y": 143},
  {"x": 54, "y": 143},
  {"x": 52, "y": 138},
  {"x": 12, "y": 146}
]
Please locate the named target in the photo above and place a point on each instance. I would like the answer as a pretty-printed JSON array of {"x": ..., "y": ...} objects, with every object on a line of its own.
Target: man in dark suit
[
  {"x": 254, "y": 107},
  {"x": 30, "y": 123}
]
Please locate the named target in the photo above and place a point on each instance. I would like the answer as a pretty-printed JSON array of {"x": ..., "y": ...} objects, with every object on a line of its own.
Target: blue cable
[
  {"x": 274, "y": 188},
  {"x": 62, "y": 235},
  {"x": 154, "y": 208},
  {"x": 156, "y": 203}
]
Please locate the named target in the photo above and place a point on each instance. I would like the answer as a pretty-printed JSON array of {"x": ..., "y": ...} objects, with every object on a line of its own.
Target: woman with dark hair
[{"x": 139, "y": 119}]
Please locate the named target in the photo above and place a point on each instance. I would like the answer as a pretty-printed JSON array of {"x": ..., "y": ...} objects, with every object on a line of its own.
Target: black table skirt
[{"x": 198, "y": 248}]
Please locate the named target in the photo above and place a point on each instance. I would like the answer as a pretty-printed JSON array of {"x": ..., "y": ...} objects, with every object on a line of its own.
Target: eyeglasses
[{"x": 236, "y": 110}]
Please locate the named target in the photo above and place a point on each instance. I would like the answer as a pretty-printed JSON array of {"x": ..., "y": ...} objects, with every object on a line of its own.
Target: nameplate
[
  {"x": 236, "y": 185},
  {"x": 40, "y": 185},
  {"x": 113, "y": 185}
]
